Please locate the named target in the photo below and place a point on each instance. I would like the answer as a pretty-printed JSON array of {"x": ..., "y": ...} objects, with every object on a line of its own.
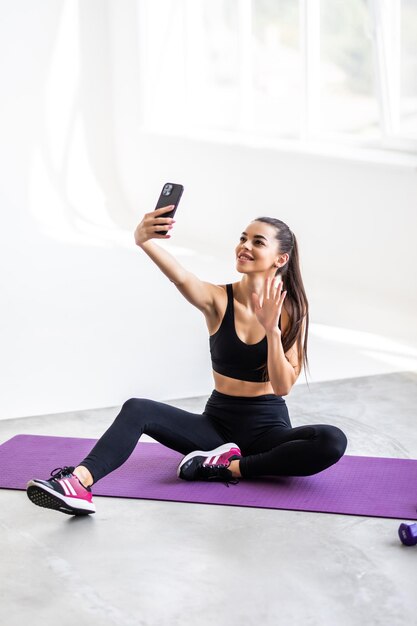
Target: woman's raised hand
[
  {"x": 268, "y": 309},
  {"x": 151, "y": 225}
]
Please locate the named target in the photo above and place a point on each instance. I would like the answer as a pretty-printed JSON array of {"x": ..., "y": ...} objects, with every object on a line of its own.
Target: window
[
  {"x": 304, "y": 70},
  {"x": 348, "y": 102}
]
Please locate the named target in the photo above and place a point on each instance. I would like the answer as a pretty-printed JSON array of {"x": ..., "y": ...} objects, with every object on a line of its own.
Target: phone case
[{"x": 171, "y": 194}]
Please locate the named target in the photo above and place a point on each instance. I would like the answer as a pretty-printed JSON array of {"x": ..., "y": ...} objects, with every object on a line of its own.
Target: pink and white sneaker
[
  {"x": 62, "y": 492},
  {"x": 210, "y": 464}
]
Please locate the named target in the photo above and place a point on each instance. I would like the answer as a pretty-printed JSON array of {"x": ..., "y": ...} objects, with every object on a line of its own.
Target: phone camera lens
[{"x": 167, "y": 190}]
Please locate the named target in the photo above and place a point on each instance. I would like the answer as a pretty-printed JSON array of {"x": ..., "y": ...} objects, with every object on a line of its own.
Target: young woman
[{"x": 258, "y": 330}]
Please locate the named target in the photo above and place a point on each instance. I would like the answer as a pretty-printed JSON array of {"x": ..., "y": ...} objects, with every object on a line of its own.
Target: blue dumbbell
[{"x": 408, "y": 534}]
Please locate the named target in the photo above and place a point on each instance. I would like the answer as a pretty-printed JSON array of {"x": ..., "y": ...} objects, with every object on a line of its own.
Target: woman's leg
[
  {"x": 175, "y": 428},
  {"x": 300, "y": 451},
  {"x": 68, "y": 489}
]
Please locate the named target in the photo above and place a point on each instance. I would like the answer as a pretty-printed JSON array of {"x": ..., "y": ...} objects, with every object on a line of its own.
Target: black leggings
[{"x": 260, "y": 426}]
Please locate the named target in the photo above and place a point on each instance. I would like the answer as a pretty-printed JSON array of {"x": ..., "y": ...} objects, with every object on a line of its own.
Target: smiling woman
[
  {"x": 258, "y": 338},
  {"x": 295, "y": 312},
  {"x": 260, "y": 308}
]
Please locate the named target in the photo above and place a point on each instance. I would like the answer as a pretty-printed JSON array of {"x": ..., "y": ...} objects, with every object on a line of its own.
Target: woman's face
[{"x": 258, "y": 249}]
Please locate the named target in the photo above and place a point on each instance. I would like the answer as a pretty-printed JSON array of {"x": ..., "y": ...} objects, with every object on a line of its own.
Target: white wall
[{"x": 85, "y": 319}]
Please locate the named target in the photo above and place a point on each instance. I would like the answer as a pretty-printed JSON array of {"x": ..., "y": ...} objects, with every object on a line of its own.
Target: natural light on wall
[
  {"x": 64, "y": 194},
  {"x": 380, "y": 349},
  {"x": 306, "y": 70}
]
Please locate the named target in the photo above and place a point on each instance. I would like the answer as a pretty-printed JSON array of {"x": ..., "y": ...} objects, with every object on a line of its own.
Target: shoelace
[
  {"x": 59, "y": 472},
  {"x": 226, "y": 482},
  {"x": 215, "y": 475}
]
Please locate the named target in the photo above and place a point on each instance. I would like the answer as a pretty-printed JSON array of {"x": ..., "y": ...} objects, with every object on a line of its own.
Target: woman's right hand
[{"x": 152, "y": 223}]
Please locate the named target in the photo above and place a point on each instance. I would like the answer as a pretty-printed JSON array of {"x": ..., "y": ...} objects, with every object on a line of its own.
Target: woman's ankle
[
  {"x": 234, "y": 467},
  {"x": 83, "y": 475}
]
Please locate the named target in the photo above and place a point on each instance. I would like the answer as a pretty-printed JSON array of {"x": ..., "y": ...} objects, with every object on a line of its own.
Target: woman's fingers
[
  {"x": 278, "y": 289},
  {"x": 160, "y": 230},
  {"x": 272, "y": 291},
  {"x": 162, "y": 210},
  {"x": 267, "y": 287},
  {"x": 272, "y": 287},
  {"x": 163, "y": 220},
  {"x": 279, "y": 295},
  {"x": 158, "y": 214},
  {"x": 154, "y": 225}
]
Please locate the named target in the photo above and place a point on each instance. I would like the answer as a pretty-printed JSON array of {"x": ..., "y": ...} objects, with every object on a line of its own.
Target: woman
[{"x": 258, "y": 343}]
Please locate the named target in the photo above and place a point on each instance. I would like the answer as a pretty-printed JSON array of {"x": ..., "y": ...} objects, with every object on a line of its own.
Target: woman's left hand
[{"x": 268, "y": 309}]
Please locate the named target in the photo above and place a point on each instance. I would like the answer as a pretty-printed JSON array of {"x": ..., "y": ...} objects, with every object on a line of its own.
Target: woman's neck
[{"x": 255, "y": 283}]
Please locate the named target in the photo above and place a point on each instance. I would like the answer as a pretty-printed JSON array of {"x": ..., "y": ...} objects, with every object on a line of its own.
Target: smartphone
[{"x": 171, "y": 194}]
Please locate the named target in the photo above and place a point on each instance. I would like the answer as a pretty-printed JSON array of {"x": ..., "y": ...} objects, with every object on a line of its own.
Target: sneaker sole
[
  {"x": 217, "y": 451},
  {"x": 42, "y": 497}
]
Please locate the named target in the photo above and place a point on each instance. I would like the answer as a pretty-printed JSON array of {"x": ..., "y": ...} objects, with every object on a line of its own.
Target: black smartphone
[{"x": 171, "y": 194}]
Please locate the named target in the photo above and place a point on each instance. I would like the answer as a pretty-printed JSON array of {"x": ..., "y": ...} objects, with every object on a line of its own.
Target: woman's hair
[{"x": 296, "y": 300}]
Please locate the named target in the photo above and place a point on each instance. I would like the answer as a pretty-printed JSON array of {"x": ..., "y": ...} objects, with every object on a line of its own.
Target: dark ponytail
[{"x": 295, "y": 302}]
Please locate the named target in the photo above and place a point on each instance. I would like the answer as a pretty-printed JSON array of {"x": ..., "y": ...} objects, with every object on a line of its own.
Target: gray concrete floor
[{"x": 139, "y": 562}]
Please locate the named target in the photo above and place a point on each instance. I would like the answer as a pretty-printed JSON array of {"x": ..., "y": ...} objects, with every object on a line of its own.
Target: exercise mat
[{"x": 356, "y": 485}]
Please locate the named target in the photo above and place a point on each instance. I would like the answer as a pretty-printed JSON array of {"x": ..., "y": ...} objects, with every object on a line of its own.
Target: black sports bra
[{"x": 233, "y": 357}]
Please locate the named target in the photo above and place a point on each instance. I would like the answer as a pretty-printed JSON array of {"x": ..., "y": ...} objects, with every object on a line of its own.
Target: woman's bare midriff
[{"x": 234, "y": 387}]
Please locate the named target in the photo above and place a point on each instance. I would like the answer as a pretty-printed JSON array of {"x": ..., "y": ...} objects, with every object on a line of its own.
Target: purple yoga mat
[{"x": 356, "y": 485}]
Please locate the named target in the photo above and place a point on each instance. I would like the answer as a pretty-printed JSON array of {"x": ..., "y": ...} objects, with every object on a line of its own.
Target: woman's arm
[
  {"x": 282, "y": 372},
  {"x": 199, "y": 293},
  {"x": 283, "y": 367}
]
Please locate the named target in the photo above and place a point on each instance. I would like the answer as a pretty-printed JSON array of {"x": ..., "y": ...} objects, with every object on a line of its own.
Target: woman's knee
[
  {"x": 132, "y": 404},
  {"x": 334, "y": 442},
  {"x": 135, "y": 407}
]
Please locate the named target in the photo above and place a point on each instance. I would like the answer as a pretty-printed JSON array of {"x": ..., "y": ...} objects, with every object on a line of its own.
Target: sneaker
[
  {"x": 62, "y": 492},
  {"x": 210, "y": 465}
]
